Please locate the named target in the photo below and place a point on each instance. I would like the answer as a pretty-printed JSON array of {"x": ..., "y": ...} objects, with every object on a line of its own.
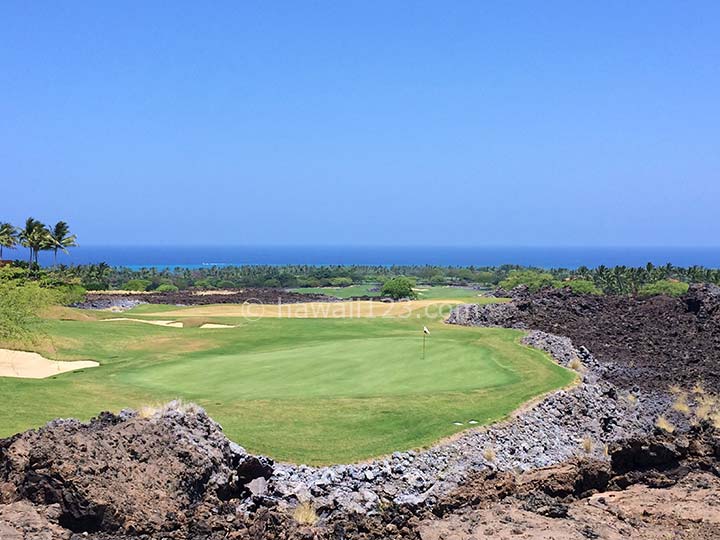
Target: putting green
[{"x": 306, "y": 390}]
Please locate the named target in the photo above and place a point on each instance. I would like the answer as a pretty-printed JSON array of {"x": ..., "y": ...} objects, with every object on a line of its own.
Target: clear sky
[{"x": 363, "y": 122}]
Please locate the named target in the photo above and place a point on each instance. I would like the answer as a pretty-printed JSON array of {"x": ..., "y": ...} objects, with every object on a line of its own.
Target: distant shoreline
[{"x": 192, "y": 257}]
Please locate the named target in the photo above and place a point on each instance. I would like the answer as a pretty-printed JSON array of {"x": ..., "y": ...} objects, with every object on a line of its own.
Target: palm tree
[
  {"x": 34, "y": 236},
  {"x": 61, "y": 239},
  {"x": 8, "y": 237}
]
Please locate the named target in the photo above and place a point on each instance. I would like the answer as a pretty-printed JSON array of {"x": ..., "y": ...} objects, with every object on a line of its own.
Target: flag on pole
[{"x": 426, "y": 333}]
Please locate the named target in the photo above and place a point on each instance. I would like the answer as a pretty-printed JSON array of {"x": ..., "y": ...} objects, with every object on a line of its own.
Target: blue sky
[{"x": 361, "y": 122}]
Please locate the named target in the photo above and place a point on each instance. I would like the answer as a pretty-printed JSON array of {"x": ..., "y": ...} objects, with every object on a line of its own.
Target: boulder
[{"x": 130, "y": 473}]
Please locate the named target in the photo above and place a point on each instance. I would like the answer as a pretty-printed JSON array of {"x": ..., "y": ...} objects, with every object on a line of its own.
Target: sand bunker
[
  {"x": 219, "y": 292},
  {"x": 316, "y": 310},
  {"x": 30, "y": 365},
  {"x": 173, "y": 324}
]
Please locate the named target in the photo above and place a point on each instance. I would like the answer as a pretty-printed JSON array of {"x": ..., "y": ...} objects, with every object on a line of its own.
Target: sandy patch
[
  {"x": 215, "y": 325},
  {"x": 30, "y": 365},
  {"x": 215, "y": 293},
  {"x": 317, "y": 310},
  {"x": 173, "y": 324}
]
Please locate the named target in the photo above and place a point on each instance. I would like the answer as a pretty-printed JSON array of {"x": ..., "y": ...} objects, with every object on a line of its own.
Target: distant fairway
[
  {"x": 423, "y": 293},
  {"x": 312, "y": 390}
]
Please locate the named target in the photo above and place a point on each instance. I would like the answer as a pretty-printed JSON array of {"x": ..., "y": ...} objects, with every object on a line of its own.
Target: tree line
[
  {"x": 37, "y": 237},
  {"x": 608, "y": 280}
]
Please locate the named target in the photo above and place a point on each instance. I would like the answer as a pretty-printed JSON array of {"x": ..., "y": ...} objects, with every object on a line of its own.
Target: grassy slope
[{"x": 306, "y": 390}]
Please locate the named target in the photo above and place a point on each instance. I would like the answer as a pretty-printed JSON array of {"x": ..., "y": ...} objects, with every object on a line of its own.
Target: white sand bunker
[
  {"x": 220, "y": 292},
  {"x": 173, "y": 324},
  {"x": 30, "y": 365}
]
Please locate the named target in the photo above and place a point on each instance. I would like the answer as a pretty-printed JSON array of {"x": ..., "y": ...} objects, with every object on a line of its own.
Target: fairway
[
  {"x": 303, "y": 389},
  {"x": 423, "y": 293}
]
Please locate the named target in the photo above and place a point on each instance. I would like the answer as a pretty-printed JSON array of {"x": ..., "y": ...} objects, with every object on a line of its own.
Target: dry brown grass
[
  {"x": 664, "y": 424},
  {"x": 674, "y": 389},
  {"x": 704, "y": 408},
  {"x": 148, "y": 411},
  {"x": 489, "y": 454},
  {"x": 587, "y": 444},
  {"x": 305, "y": 514},
  {"x": 698, "y": 389},
  {"x": 575, "y": 364},
  {"x": 681, "y": 404},
  {"x": 631, "y": 399},
  {"x": 61, "y": 313},
  {"x": 194, "y": 322}
]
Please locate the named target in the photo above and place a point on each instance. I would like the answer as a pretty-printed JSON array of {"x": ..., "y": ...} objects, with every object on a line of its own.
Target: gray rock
[{"x": 258, "y": 486}]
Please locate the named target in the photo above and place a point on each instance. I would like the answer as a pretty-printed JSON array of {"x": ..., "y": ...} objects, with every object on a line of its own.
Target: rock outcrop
[
  {"x": 128, "y": 473},
  {"x": 649, "y": 342}
]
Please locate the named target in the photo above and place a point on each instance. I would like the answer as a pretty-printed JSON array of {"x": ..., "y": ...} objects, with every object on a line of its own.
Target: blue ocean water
[{"x": 545, "y": 257}]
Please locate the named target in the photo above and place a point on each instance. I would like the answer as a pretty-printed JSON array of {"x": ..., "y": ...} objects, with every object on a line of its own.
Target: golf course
[{"x": 314, "y": 383}]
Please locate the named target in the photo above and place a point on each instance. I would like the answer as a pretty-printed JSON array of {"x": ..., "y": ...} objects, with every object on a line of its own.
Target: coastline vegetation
[
  {"x": 37, "y": 237},
  {"x": 394, "y": 281},
  {"x": 361, "y": 280}
]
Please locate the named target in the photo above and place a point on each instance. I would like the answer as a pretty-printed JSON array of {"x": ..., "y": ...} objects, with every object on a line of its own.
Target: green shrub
[
  {"x": 664, "y": 286},
  {"x": 533, "y": 279},
  {"x": 71, "y": 293},
  {"x": 485, "y": 277},
  {"x": 137, "y": 285},
  {"x": 226, "y": 284},
  {"x": 398, "y": 287},
  {"x": 309, "y": 282},
  {"x": 19, "y": 306},
  {"x": 341, "y": 282},
  {"x": 95, "y": 285},
  {"x": 13, "y": 274},
  {"x": 167, "y": 287},
  {"x": 582, "y": 286}
]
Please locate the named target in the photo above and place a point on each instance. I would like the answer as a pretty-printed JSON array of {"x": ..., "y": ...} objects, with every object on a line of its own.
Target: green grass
[
  {"x": 305, "y": 390},
  {"x": 341, "y": 292},
  {"x": 423, "y": 292}
]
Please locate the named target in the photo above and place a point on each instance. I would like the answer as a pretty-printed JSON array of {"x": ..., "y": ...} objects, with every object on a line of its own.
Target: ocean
[{"x": 545, "y": 257}]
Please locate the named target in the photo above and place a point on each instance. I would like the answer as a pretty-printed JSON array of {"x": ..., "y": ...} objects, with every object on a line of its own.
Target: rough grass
[
  {"x": 681, "y": 404},
  {"x": 664, "y": 424},
  {"x": 305, "y": 390},
  {"x": 304, "y": 514},
  {"x": 575, "y": 364}
]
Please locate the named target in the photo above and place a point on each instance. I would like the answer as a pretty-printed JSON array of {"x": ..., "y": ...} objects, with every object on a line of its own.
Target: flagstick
[{"x": 424, "y": 336}]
